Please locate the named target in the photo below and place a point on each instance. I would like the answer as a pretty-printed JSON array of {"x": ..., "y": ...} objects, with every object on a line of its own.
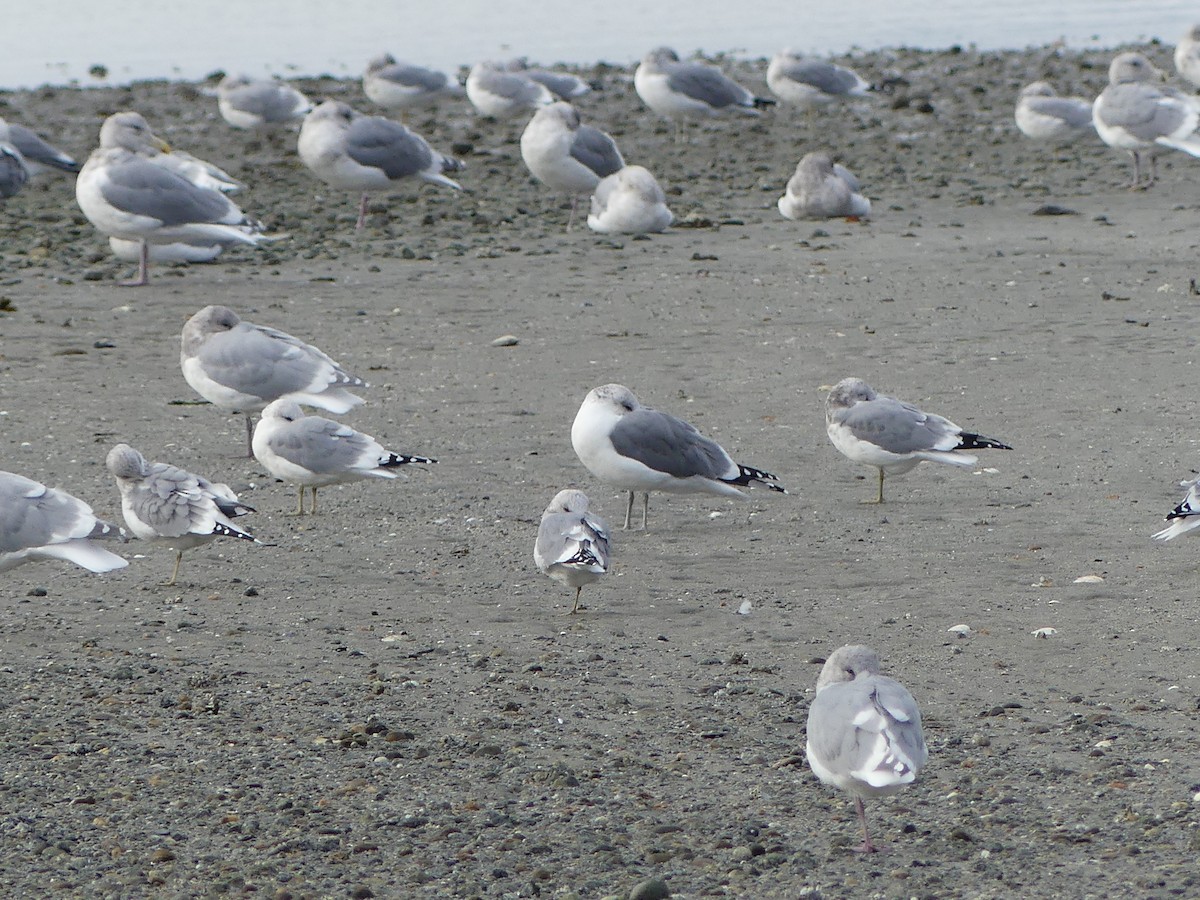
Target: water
[{"x": 52, "y": 42}]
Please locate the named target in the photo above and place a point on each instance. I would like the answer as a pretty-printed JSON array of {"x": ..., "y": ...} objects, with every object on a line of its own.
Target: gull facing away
[
  {"x": 1135, "y": 115},
  {"x": 258, "y": 104},
  {"x": 895, "y": 436},
  {"x": 563, "y": 85},
  {"x": 170, "y": 506},
  {"x": 566, "y": 155},
  {"x": 242, "y": 367},
  {"x": 405, "y": 86},
  {"x": 572, "y": 543},
  {"x": 39, "y": 156},
  {"x": 690, "y": 90},
  {"x": 14, "y": 173},
  {"x": 356, "y": 152},
  {"x": 819, "y": 189},
  {"x": 629, "y": 202},
  {"x": 496, "y": 92},
  {"x": 312, "y": 451},
  {"x": 1042, "y": 115},
  {"x": 1187, "y": 56},
  {"x": 37, "y": 522},
  {"x": 809, "y": 83},
  {"x": 864, "y": 731},
  {"x": 128, "y": 196},
  {"x": 636, "y": 448},
  {"x": 1185, "y": 516}
]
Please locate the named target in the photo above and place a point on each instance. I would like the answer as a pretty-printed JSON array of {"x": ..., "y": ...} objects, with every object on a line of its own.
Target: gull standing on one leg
[
  {"x": 572, "y": 543},
  {"x": 37, "y": 522}
]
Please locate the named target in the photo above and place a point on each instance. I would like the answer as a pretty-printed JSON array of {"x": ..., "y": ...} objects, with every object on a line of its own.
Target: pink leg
[
  {"x": 866, "y": 846},
  {"x": 143, "y": 268},
  {"x": 362, "y": 213}
]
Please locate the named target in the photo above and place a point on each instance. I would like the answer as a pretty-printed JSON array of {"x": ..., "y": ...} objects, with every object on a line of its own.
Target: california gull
[
  {"x": 562, "y": 85},
  {"x": 572, "y": 543},
  {"x": 38, "y": 154},
  {"x": 690, "y": 90},
  {"x": 820, "y": 189}
]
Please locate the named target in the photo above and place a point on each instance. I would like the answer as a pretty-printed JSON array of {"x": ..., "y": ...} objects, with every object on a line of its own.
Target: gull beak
[{"x": 162, "y": 145}]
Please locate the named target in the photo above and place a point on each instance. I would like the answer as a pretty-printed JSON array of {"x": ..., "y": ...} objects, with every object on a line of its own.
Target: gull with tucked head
[
  {"x": 690, "y": 90},
  {"x": 259, "y": 104},
  {"x": 496, "y": 92},
  {"x": 1042, "y": 115},
  {"x": 572, "y": 543},
  {"x": 404, "y": 86},
  {"x": 809, "y": 83},
  {"x": 629, "y": 202},
  {"x": 37, "y": 522},
  {"x": 566, "y": 155},
  {"x": 822, "y": 189}
]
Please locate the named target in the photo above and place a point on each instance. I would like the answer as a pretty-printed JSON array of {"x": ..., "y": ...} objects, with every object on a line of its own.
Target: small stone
[
  {"x": 650, "y": 889},
  {"x": 506, "y": 340}
]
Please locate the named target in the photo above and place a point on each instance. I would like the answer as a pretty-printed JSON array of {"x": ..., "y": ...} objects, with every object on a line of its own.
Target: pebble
[
  {"x": 506, "y": 340},
  {"x": 650, "y": 889}
]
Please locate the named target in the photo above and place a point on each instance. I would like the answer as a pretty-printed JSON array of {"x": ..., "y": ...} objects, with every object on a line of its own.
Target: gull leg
[
  {"x": 175, "y": 571},
  {"x": 300, "y": 505},
  {"x": 628, "y": 512},
  {"x": 867, "y": 846},
  {"x": 143, "y": 276},
  {"x": 313, "y": 508},
  {"x": 575, "y": 608},
  {"x": 249, "y": 436},
  {"x": 645, "y": 509},
  {"x": 1137, "y": 170},
  {"x": 1153, "y": 171},
  {"x": 571, "y": 218},
  {"x": 362, "y": 213}
]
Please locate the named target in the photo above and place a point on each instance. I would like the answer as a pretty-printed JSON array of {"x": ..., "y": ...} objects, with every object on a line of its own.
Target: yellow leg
[
  {"x": 575, "y": 608},
  {"x": 300, "y": 505},
  {"x": 313, "y": 508},
  {"x": 175, "y": 571}
]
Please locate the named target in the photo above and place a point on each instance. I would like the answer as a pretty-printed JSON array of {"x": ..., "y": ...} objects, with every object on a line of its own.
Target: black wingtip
[
  {"x": 763, "y": 102},
  {"x": 403, "y": 459},
  {"x": 748, "y": 475},
  {"x": 969, "y": 441}
]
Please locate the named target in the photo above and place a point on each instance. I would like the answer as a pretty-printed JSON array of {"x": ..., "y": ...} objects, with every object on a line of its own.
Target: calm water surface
[{"x": 58, "y": 41}]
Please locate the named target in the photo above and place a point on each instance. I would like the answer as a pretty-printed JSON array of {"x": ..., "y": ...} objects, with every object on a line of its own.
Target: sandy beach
[{"x": 389, "y": 700}]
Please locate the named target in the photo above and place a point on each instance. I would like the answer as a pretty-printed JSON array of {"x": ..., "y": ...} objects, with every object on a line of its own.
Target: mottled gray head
[
  {"x": 129, "y": 131},
  {"x": 847, "y": 663},
  {"x": 614, "y": 396},
  {"x": 640, "y": 180},
  {"x": 333, "y": 111},
  {"x": 284, "y": 408},
  {"x": 126, "y": 463},
  {"x": 847, "y": 392},
  {"x": 661, "y": 56},
  {"x": 1129, "y": 68},
  {"x": 1194, "y": 33},
  {"x": 568, "y": 501},
  {"x": 381, "y": 62},
  {"x": 564, "y": 112},
  {"x": 233, "y": 82},
  {"x": 1038, "y": 89},
  {"x": 815, "y": 164},
  {"x": 212, "y": 319}
]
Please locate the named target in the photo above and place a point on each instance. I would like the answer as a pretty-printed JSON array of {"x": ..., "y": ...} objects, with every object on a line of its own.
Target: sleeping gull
[
  {"x": 566, "y": 155},
  {"x": 1185, "y": 516},
  {"x": 500, "y": 94},
  {"x": 14, "y": 173},
  {"x": 126, "y": 195},
  {"x": 690, "y": 90},
  {"x": 1042, "y": 115},
  {"x": 636, "y": 448},
  {"x": 892, "y": 435},
  {"x": 1187, "y": 56},
  {"x": 313, "y": 451},
  {"x": 864, "y": 731},
  {"x": 562, "y": 85},
  {"x": 258, "y": 104},
  {"x": 38, "y": 155},
  {"x": 1135, "y": 115},
  {"x": 819, "y": 189},
  {"x": 356, "y": 152},
  {"x": 809, "y": 83},
  {"x": 404, "y": 86},
  {"x": 241, "y": 366},
  {"x": 37, "y": 522},
  {"x": 572, "y": 543},
  {"x": 629, "y": 202},
  {"x": 168, "y": 505}
]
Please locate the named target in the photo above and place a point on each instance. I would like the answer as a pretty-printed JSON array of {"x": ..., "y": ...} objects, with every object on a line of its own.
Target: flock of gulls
[{"x": 158, "y": 203}]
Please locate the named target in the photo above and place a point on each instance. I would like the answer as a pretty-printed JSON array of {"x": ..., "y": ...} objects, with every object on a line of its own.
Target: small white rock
[
  {"x": 745, "y": 608},
  {"x": 1088, "y": 579},
  {"x": 960, "y": 630},
  {"x": 506, "y": 340}
]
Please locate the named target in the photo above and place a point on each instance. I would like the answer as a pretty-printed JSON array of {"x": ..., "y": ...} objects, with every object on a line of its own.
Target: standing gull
[
  {"x": 128, "y": 196},
  {"x": 809, "y": 83},
  {"x": 864, "y": 731},
  {"x": 1042, "y": 115},
  {"x": 357, "y": 152},
  {"x": 404, "y": 86},
  {"x": 258, "y": 104},
  {"x": 168, "y": 505},
  {"x": 566, "y": 155},
  {"x": 572, "y": 543},
  {"x": 500, "y": 94},
  {"x": 636, "y": 448},
  {"x": 892, "y": 435},
  {"x": 130, "y": 131},
  {"x": 1187, "y": 56},
  {"x": 242, "y": 367},
  {"x": 629, "y": 202},
  {"x": 562, "y": 85},
  {"x": 313, "y": 451},
  {"x": 690, "y": 90},
  {"x": 1185, "y": 516},
  {"x": 819, "y": 189},
  {"x": 37, "y": 522},
  {"x": 1135, "y": 115},
  {"x": 38, "y": 155}
]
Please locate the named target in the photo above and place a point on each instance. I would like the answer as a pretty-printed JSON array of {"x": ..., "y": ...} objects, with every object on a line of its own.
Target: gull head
[
  {"x": 848, "y": 392},
  {"x": 660, "y": 56},
  {"x": 614, "y": 398},
  {"x": 1131, "y": 68},
  {"x": 284, "y": 408},
  {"x": 1038, "y": 89},
  {"x": 125, "y": 463},
  {"x": 130, "y": 131},
  {"x": 568, "y": 501},
  {"x": 848, "y": 663}
]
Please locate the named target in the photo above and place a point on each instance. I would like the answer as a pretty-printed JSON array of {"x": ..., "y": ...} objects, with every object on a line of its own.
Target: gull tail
[
  {"x": 969, "y": 441},
  {"x": 403, "y": 459},
  {"x": 1190, "y": 146},
  {"x": 748, "y": 475}
]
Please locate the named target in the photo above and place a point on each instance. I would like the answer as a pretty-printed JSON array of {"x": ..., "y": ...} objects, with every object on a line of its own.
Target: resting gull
[
  {"x": 629, "y": 202},
  {"x": 572, "y": 543},
  {"x": 257, "y": 104},
  {"x": 37, "y": 522},
  {"x": 809, "y": 83},
  {"x": 496, "y": 92},
  {"x": 820, "y": 189},
  {"x": 566, "y": 155},
  {"x": 405, "y": 86},
  {"x": 562, "y": 85},
  {"x": 1187, "y": 56},
  {"x": 690, "y": 90},
  {"x": 14, "y": 173},
  {"x": 1042, "y": 115},
  {"x": 38, "y": 154},
  {"x": 1184, "y": 517}
]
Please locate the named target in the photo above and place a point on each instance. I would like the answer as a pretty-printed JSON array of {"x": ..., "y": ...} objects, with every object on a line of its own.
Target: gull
[
  {"x": 1042, "y": 115},
  {"x": 500, "y": 94},
  {"x": 38, "y": 155},
  {"x": 636, "y": 448},
  {"x": 126, "y": 195},
  {"x": 562, "y": 85},
  {"x": 404, "y": 86},
  {"x": 809, "y": 83},
  {"x": 690, "y": 90},
  {"x": 258, "y": 104},
  {"x": 130, "y": 131},
  {"x": 313, "y": 451},
  {"x": 819, "y": 189},
  {"x": 37, "y": 522},
  {"x": 1187, "y": 56},
  {"x": 1185, "y": 516},
  {"x": 892, "y": 435},
  {"x": 14, "y": 173},
  {"x": 572, "y": 543},
  {"x": 168, "y": 505},
  {"x": 1135, "y": 115},
  {"x": 357, "y": 152},
  {"x": 864, "y": 731},
  {"x": 629, "y": 202},
  {"x": 243, "y": 367},
  {"x": 566, "y": 155}
]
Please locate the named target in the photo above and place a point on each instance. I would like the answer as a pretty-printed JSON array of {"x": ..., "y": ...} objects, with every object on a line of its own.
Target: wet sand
[{"x": 389, "y": 700}]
